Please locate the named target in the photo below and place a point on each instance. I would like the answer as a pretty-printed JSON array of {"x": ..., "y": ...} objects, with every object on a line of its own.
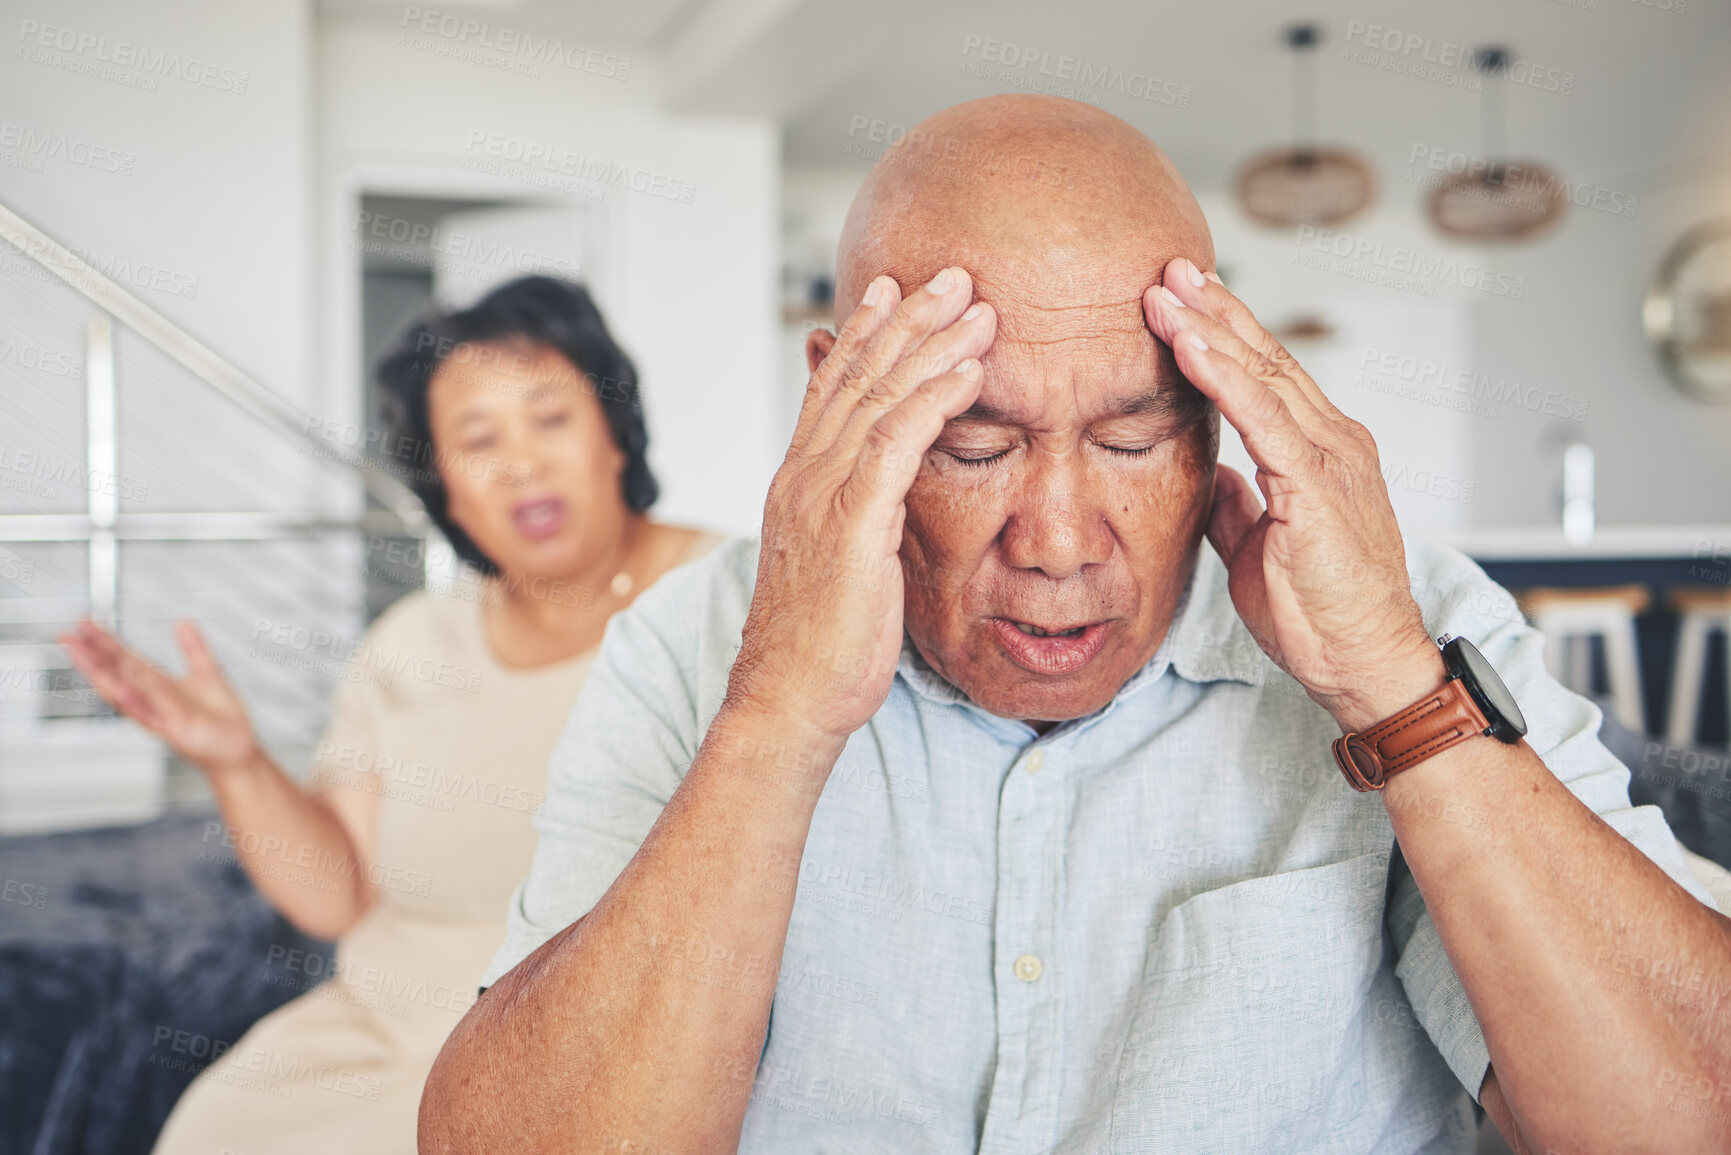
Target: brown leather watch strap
[{"x": 1432, "y": 724}]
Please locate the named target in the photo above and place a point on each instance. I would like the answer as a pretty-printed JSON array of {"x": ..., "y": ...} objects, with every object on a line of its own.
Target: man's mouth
[
  {"x": 1036, "y": 631},
  {"x": 1050, "y": 648}
]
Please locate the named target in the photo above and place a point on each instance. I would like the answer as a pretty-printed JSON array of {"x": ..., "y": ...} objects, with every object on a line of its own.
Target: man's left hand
[{"x": 1320, "y": 576}]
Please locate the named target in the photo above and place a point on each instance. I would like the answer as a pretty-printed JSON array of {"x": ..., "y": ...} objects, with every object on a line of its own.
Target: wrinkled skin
[{"x": 1088, "y": 514}]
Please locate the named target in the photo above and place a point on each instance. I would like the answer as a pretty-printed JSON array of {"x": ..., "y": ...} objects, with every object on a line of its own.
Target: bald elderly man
[{"x": 983, "y": 807}]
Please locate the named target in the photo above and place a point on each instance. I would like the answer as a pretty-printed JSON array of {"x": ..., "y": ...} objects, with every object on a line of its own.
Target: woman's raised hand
[{"x": 199, "y": 716}]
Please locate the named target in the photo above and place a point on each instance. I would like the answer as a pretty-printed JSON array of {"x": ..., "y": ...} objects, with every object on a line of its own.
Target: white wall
[
  {"x": 210, "y": 211},
  {"x": 245, "y": 201},
  {"x": 1660, "y": 456},
  {"x": 197, "y": 197},
  {"x": 688, "y": 288}
]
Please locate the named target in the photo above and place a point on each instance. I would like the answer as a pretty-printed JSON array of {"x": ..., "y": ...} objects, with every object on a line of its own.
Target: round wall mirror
[{"x": 1687, "y": 313}]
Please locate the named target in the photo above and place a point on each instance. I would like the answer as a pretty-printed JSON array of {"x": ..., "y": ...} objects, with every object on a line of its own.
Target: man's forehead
[
  {"x": 1036, "y": 249},
  {"x": 1093, "y": 372},
  {"x": 1029, "y": 322},
  {"x": 1054, "y": 273}
]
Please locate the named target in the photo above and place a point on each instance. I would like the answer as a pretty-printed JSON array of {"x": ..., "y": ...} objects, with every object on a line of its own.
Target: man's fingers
[
  {"x": 1272, "y": 435},
  {"x": 896, "y": 445},
  {"x": 882, "y": 297},
  {"x": 1236, "y": 512},
  {"x": 1216, "y": 300},
  {"x": 1170, "y": 317},
  {"x": 866, "y": 354},
  {"x": 942, "y": 352}
]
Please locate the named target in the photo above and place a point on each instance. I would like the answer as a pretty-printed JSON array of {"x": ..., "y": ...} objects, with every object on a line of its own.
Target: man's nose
[{"x": 1057, "y": 526}]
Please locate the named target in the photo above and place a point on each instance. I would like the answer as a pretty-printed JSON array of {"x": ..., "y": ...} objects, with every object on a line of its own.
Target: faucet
[{"x": 1578, "y": 492}]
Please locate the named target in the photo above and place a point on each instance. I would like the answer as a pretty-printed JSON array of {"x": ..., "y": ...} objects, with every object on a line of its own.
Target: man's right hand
[{"x": 824, "y": 633}]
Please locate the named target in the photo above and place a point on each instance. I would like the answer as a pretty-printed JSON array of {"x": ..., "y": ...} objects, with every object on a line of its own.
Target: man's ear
[{"x": 818, "y": 343}]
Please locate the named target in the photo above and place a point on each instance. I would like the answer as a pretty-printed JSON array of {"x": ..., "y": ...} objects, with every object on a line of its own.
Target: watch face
[{"x": 1487, "y": 689}]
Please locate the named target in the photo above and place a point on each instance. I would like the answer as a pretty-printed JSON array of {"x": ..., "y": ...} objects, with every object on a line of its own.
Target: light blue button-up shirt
[{"x": 1167, "y": 926}]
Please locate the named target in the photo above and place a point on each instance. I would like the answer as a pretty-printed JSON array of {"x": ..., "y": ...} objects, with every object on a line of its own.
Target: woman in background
[{"x": 414, "y": 828}]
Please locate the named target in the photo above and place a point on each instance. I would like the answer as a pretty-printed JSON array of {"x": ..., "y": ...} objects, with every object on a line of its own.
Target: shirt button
[
  {"x": 1035, "y": 760},
  {"x": 1029, "y": 968}
]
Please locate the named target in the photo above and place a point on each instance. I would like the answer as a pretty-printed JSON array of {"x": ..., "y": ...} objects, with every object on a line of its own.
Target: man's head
[{"x": 1074, "y": 493}]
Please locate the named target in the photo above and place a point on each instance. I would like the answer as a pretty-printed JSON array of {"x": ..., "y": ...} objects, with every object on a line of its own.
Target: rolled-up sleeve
[
  {"x": 624, "y": 749},
  {"x": 1563, "y": 729}
]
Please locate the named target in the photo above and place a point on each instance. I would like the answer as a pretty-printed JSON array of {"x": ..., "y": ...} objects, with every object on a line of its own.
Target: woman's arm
[
  {"x": 302, "y": 849},
  {"x": 307, "y": 853}
]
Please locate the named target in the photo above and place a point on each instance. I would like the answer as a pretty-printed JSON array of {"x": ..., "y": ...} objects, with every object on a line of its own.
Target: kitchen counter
[
  {"x": 1711, "y": 544},
  {"x": 1660, "y": 557}
]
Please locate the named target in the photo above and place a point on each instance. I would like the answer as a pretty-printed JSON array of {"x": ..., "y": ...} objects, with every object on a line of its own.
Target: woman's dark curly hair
[{"x": 544, "y": 311}]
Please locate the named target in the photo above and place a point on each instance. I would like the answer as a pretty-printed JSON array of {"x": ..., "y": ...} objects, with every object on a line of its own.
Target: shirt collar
[{"x": 1208, "y": 642}]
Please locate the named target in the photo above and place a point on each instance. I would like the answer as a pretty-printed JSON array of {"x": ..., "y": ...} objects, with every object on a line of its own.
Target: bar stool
[
  {"x": 1702, "y": 610},
  {"x": 1570, "y": 617}
]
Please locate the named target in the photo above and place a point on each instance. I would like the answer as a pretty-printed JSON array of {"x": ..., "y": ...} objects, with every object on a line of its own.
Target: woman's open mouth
[
  {"x": 1050, "y": 648},
  {"x": 539, "y": 518}
]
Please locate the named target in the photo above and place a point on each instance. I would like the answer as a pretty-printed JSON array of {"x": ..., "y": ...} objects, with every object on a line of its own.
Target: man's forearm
[
  {"x": 1536, "y": 899},
  {"x": 639, "y": 1027}
]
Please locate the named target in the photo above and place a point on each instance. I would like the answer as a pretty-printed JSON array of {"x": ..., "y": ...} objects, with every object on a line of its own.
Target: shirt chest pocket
[{"x": 1251, "y": 1027}]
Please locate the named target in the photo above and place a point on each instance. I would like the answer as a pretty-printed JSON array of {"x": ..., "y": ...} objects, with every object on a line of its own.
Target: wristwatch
[{"x": 1471, "y": 701}]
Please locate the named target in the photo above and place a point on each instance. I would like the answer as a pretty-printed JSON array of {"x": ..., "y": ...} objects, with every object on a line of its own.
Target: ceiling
[
  {"x": 628, "y": 24},
  {"x": 1632, "y": 68}
]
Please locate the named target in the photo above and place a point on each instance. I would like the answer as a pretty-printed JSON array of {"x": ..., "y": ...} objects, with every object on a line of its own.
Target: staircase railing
[{"x": 103, "y": 524}]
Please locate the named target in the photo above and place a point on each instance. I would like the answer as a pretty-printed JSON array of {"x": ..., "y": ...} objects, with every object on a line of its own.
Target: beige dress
[{"x": 456, "y": 747}]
